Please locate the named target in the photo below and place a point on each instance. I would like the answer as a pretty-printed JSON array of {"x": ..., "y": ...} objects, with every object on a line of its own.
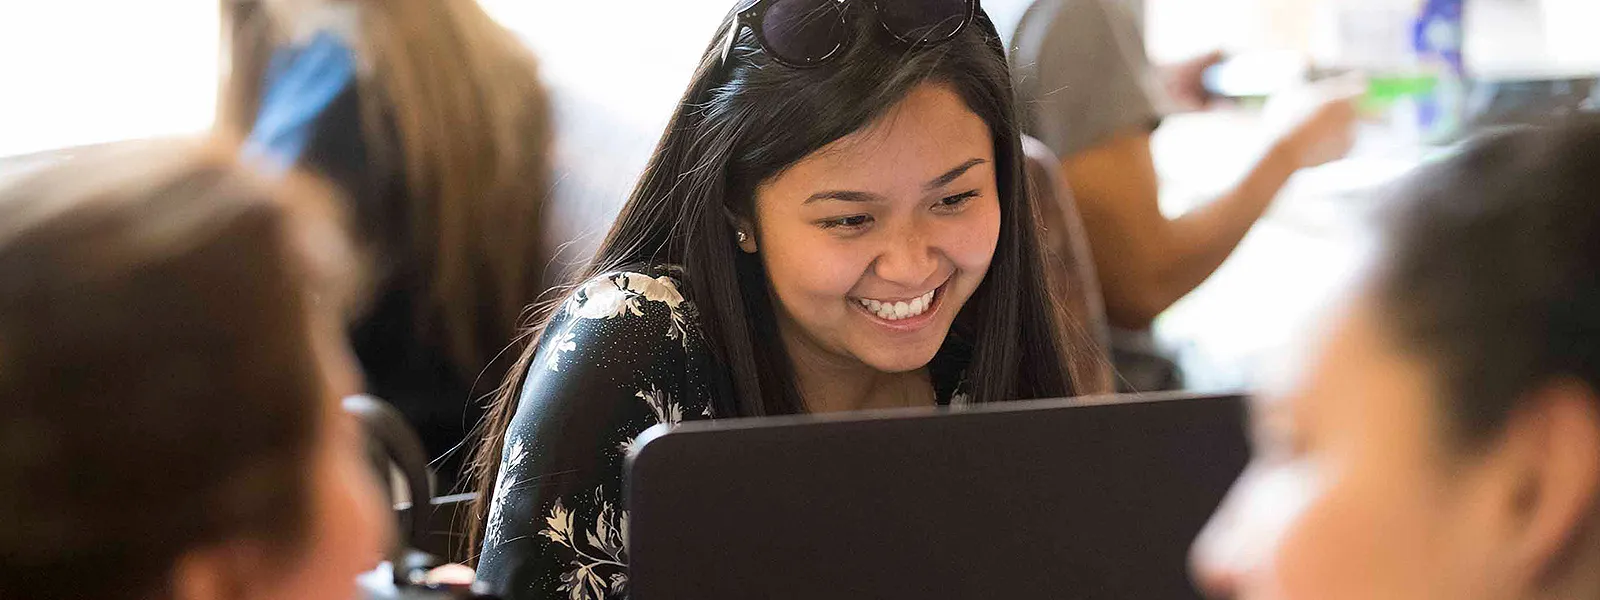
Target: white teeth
[{"x": 895, "y": 311}]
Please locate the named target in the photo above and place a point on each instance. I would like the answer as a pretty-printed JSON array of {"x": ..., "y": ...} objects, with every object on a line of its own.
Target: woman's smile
[{"x": 902, "y": 314}]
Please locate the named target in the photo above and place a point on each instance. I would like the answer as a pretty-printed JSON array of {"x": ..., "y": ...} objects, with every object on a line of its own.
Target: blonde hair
[{"x": 460, "y": 97}]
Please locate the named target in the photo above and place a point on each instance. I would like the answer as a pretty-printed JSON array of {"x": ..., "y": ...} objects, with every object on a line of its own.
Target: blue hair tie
[{"x": 301, "y": 83}]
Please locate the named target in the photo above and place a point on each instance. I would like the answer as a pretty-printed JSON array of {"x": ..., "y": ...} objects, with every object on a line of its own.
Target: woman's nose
[
  {"x": 1215, "y": 581},
  {"x": 908, "y": 259},
  {"x": 1231, "y": 546},
  {"x": 1214, "y": 557}
]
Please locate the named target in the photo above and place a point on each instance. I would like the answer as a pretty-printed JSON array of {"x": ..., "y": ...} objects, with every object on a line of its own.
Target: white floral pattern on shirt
[
  {"x": 560, "y": 345},
  {"x": 600, "y": 568},
  {"x": 617, "y": 295},
  {"x": 512, "y": 464},
  {"x": 667, "y": 410}
]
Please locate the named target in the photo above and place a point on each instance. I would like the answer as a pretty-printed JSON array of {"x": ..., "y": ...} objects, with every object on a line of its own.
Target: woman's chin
[{"x": 899, "y": 360}]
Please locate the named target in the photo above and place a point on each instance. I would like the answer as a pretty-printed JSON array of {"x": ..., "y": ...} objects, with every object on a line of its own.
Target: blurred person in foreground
[
  {"x": 1444, "y": 441},
  {"x": 1087, "y": 90},
  {"x": 431, "y": 119},
  {"x": 171, "y": 365}
]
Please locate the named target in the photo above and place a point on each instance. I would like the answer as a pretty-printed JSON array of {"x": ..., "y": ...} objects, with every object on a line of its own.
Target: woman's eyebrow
[
  {"x": 844, "y": 196},
  {"x": 858, "y": 196},
  {"x": 953, "y": 174}
]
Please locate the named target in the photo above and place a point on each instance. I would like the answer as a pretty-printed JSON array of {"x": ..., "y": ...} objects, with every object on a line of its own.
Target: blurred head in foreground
[
  {"x": 171, "y": 362},
  {"x": 1444, "y": 442}
]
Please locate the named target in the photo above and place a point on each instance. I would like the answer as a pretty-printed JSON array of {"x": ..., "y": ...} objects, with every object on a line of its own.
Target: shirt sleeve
[
  {"x": 611, "y": 365},
  {"x": 1081, "y": 74}
]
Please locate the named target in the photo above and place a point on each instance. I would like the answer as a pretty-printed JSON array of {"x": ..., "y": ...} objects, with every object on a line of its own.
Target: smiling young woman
[{"x": 835, "y": 219}]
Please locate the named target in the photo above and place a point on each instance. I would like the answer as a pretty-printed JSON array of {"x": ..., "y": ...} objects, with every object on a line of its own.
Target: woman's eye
[
  {"x": 850, "y": 222},
  {"x": 952, "y": 203}
]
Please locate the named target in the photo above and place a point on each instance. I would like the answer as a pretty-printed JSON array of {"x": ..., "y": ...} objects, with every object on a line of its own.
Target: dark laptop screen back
[{"x": 1025, "y": 500}]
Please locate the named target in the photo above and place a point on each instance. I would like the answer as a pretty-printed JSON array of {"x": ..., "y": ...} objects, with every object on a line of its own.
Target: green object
[{"x": 1385, "y": 90}]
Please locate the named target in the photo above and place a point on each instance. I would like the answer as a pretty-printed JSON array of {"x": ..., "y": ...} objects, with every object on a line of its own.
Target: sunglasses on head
[{"x": 808, "y": 33}]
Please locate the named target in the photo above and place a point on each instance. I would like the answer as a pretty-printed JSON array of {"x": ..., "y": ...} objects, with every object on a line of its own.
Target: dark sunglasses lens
[
  {"x": 924, "y": 21},
  {"x": 803, "y": 32}
]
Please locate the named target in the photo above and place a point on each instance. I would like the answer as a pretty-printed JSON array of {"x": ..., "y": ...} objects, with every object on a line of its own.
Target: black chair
[{"x": 429, "y": 536}]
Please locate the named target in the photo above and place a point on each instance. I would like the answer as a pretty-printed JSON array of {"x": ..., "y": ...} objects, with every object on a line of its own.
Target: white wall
[
  {"x": 1178, "y": 29},
  {"x": 76, "y": 72},
  {"x": 634, "y": 55},
  {"x": 1573, "y": 30}
]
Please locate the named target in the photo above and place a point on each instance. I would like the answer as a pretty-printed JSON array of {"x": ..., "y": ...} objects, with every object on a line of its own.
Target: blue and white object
[
  {"x": 301, "y": 83},
  {"x": 1437, "y": 39}
]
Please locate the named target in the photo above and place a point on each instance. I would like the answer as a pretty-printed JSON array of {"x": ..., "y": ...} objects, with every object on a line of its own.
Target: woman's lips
[{"x": 902, "y": 314}]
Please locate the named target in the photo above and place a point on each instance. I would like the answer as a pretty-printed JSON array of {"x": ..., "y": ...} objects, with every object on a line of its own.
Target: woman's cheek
[
  {"x": 815, "y": 265},
  {"x": 972, "y": 240}
]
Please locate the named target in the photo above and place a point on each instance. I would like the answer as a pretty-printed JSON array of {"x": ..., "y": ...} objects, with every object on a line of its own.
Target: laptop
[{"x": 1084, "y": 499}]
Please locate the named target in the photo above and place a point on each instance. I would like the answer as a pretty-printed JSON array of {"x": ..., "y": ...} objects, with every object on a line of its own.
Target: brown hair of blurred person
[
  {"x": 171, "y": 364},
  {"x": 459, "y": 99}
]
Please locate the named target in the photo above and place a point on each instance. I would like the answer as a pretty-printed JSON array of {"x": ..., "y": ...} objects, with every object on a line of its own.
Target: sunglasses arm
[{"x": 731, "y": 39}]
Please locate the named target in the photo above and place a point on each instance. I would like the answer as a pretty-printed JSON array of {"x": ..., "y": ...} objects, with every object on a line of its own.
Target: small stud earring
[{"x": 743, "y": 237}]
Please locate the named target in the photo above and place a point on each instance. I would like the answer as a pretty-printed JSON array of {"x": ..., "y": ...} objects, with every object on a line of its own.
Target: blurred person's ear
[
  {"x": 218, "y": 572},
  {"x": 1543, "y": 479}
]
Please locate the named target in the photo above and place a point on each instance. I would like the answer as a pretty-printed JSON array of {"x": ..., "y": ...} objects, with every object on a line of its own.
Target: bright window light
[{"x": 77, "y": 72}]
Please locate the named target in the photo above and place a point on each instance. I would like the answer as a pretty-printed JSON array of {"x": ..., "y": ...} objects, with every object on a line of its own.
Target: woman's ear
[
  {"x": 1551, "y": 452},
  {"x": 744, "y": 232}
]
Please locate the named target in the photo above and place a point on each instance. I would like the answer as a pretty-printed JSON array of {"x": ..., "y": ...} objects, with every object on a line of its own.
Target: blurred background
[{"x": 80, "y": 73}]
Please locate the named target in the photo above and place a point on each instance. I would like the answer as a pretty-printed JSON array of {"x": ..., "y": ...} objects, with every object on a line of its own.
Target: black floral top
[{"x": 624, "y": 353}]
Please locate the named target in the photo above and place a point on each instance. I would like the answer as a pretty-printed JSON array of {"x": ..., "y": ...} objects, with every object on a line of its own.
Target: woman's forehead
[
  {"x": 1356, "y": 373},
  {"x": 923, "y": 137}
]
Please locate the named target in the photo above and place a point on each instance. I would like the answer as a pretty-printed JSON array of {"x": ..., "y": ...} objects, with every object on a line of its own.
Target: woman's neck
[{"x": 828, "y": 382}]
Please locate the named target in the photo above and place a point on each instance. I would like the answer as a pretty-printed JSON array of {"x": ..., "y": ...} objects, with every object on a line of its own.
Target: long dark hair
[
  {"x": 744, "y": 122},
  {"x": 158, "y": 388},
  {"x": 1491, "y": 271}
]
